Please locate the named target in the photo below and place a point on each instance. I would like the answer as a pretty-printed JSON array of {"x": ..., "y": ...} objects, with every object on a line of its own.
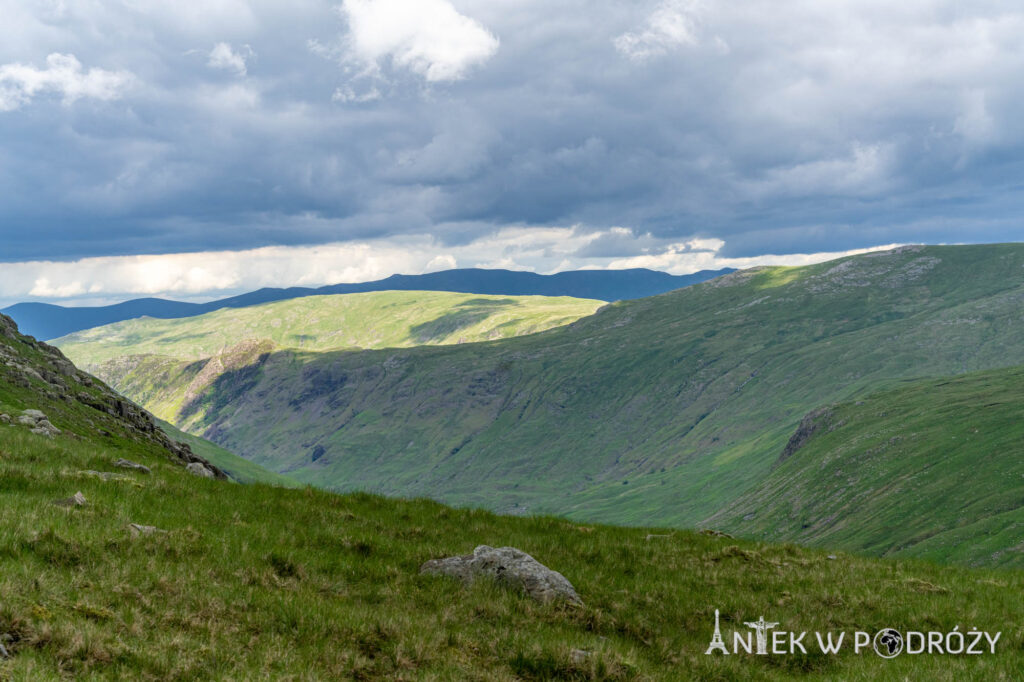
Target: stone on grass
[
  {"x": 45, "y": 428},
  {"x": 38, "y": 422},
  {"x": 136, "y": 529},
  {"x": 76, "y": 500},
  {"x": 128, "y": 464},
  {"x": 507, "y": 566},
  {"x": 200, "y": 470}
]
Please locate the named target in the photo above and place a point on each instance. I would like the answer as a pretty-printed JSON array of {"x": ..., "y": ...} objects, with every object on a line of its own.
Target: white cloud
[
  {"x": 214, "y": 274},
  {"x": 64, "y": 76},
  {"x": 224, "y": 57},
  {"x": 346, "y": 94},
  {"x": 675, "y": 23},
  {"x": 683, "y": 258},
  {"x": 428, "y": 37}
]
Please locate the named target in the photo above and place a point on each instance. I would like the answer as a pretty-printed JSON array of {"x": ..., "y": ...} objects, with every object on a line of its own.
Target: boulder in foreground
[{"x": 508, "y": 566}]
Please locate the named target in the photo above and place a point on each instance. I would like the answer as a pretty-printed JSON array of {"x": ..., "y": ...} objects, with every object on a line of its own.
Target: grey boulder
[
  {"x": 45, "y": 428},
  {"x": 128, "y": 464},
  {"x": 138, "y": 530},
  {"x": 507, "y": 566},
  {"x": 38, "y": 422},
  {"x": 76, "y": 500},
  {"x": 198, "y": 469}
]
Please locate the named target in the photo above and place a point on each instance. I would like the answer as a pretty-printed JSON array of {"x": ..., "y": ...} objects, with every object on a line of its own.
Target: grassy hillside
[
  {"x": 386, "y": 319},
  {"x": 240, "y": 470},
  {"x": 261, "y": 582},
  {"x": 657, "y": 411},
  {"x": 943, "y": 456}
]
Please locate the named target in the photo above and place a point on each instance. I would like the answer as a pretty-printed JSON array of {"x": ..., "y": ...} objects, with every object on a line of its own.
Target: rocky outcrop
[
  {"x": 197, "y": 469},
  {"x": 813, "y": 421},
  {"x": 507, "y": 566},
  {"x": 28, "y": 363},
  {"x": 37, "y": 422}
]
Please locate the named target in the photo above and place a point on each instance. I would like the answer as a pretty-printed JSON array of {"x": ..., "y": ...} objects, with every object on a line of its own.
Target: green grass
[
  {"x": 258, "y": 582},
  {"x": 661, "y": 411},
  {"x": 383, "y": 319},
  {"x": 261, "y": 582},
  {"x": 264, "y": 582},
  {"x": 944, "y": 457}
]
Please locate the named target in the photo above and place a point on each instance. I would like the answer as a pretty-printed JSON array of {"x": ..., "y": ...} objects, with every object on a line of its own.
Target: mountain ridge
[
  {"x": 332, "y": 322},
  {"x": 171, "y": 576},
  {"x": 49, "y": 321},
  {"x": 660, "y": 410}
]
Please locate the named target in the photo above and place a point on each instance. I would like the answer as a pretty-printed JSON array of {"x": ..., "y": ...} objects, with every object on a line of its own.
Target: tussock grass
[{"x": 261, "y": 582}]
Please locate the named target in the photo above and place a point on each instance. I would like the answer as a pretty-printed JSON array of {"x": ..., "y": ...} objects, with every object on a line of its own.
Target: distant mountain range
[
  {"x": 702, "y": 407},
  {"x": 47, "y": 321}
]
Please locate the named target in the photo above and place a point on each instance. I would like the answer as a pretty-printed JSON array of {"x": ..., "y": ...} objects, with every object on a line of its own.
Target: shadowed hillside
[
  {"x": 112, "y": 573},
  {"x": 944, "y": 458},
  {"x": 662, "y": 410}
]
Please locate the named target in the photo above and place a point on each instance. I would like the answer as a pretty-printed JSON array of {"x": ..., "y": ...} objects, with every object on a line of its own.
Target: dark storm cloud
[{"x": 816, "y": 126}]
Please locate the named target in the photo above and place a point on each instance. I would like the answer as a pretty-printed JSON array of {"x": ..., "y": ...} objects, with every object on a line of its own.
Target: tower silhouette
[{"x": 716, "y": 640}]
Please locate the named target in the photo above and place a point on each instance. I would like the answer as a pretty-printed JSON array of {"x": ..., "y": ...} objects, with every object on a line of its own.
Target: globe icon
[{"x": 888, "y": 643}]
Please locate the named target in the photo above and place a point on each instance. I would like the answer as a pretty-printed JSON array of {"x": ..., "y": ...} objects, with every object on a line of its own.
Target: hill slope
[
  {"x": 258, "y": 582},
  {"x": 47, "y": 321},
  {"x": 373, "y": 320},
  {"x": 238, "y": 469},
  {"x": 657, "y": 411},
  {"x": 943, "y": 456}
]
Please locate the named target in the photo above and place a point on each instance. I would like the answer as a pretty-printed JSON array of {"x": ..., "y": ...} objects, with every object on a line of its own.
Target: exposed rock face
[
  {"x": 45, "y": 428},
  {"x": 50, "y": 374},
  {"x": 508, "y": 566},
  {"x": 199, "y": 470},
  {"x": 37, "y": 421},
  {"x": 812, "y": 422}
]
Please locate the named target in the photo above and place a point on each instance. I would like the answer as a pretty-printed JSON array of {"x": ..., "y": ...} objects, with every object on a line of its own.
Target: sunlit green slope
[
  {"x": 385, "y": 319},
  {"x": 247, "y": 582},
  {"x": 664, "y": 410}
]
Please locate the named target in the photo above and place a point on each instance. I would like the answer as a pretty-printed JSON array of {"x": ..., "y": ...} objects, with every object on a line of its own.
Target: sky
[{"x": 192, "y": 150}]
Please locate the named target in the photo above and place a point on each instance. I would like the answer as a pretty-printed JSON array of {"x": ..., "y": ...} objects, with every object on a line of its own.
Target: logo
[
  {"x": 888, "y": 643},
  {"x": 767, "y": 638}
]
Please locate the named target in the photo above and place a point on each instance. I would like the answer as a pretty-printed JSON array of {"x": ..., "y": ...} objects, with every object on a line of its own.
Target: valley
[
  {"x": 660, "y": 411},
  {"x": 172, "y": 576}
]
